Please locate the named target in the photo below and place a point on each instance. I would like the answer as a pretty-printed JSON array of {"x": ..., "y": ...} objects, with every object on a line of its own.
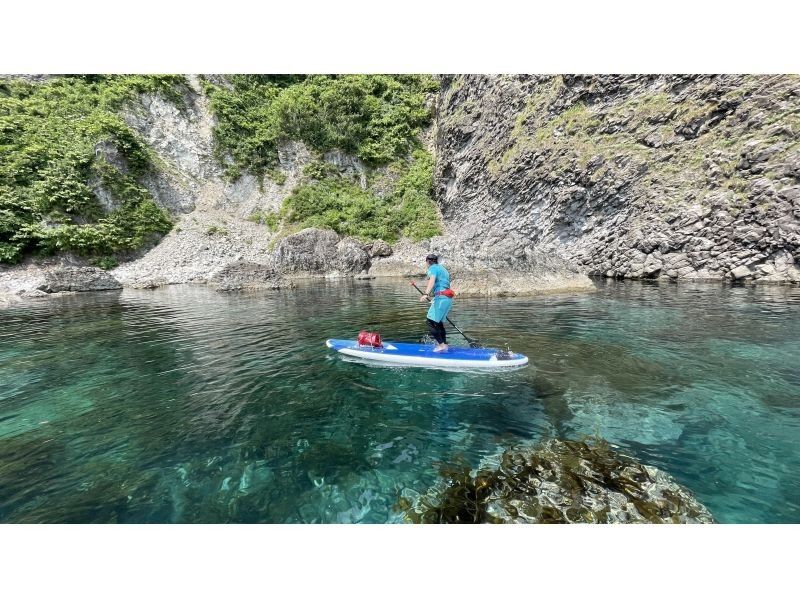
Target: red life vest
[{"x": 446, "y": 293}]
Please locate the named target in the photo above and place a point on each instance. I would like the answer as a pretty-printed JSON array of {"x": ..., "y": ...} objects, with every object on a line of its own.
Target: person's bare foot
[{"x": 440, "y": 348}]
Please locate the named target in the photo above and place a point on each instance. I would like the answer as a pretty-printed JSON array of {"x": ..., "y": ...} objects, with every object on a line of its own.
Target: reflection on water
[{"x": 184, "y": 405}]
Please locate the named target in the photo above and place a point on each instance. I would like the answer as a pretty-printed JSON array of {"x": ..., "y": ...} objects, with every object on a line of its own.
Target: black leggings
[{"x": 437, "y": 331}]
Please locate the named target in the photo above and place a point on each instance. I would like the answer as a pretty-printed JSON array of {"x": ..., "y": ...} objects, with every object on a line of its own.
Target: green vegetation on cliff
[
  {"x": 375, "y": 118},
  {"x": 71, "y": 169},
  {"x": 339, "y": 204},
  {"x": 58, "y": 140}
]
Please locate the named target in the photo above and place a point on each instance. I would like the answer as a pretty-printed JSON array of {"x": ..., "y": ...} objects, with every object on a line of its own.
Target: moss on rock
[{"x": 558, "y": 481}]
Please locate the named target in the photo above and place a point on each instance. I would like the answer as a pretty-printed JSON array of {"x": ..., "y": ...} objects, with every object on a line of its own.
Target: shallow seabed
[{"x": 186, "y": 405}]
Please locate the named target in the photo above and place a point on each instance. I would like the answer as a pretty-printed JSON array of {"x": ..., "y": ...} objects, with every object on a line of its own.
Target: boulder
[
  {"x": 676, "y": 260},
  {"x": 33, "y": 294},
  {"x": 247, "y": 275},
  {"x": 149, "y": 283},
  {"x": 351, "y": 258},
  {"x": 407, "y": 259},
  {"x": 766, "y": 269},
  {"x": 783, "y": 260},
  {"x": 652, "y": 265},
  {"x": 319, "y": 251},
  {"x": 311, "y": 250},
  {"x": 654, "y": 139},
  {"x": 749, "y": 233},
  {"x": 741, "y": 272},
  {"x": 79, "y": 279},
  {"x": 380, "y": 248}
]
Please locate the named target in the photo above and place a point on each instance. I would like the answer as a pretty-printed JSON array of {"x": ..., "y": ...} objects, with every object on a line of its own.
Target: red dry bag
[{"x": 371, "y": 339}]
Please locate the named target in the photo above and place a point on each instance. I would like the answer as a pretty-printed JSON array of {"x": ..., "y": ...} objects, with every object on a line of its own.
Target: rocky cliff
[
  {"x": 673, "y": 177},
  {"x": 230, "y": 232},
  {"x": 539, "y": 181},
  {"x": 216, "y": 227}
]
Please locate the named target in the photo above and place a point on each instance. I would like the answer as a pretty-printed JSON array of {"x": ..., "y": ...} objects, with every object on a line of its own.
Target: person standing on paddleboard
[{"x": 441, "y": 297}]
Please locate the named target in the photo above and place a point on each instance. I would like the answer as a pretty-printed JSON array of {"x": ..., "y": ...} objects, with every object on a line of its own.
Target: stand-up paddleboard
[{"x": 417, "y": 354}]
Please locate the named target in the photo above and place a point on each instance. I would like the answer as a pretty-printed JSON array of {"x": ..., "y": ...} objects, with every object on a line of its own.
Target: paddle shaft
[{"x": 472, "y": 342}]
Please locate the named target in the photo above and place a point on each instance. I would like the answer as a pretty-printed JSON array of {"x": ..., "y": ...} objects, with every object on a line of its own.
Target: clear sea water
[{"x": 186, "y": 405}]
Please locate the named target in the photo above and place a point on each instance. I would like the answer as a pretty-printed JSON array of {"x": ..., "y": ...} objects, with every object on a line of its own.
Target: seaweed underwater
[{"x": 556, "y": 481}]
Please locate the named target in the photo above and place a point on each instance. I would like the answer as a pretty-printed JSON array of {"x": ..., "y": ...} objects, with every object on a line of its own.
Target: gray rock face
[
  {"x": 78, "y": 279},
  {"x": 247, "y": 276},
  {"x": 212, "y": 214},
  {"x": 407, "y": 259},
  {"x": 193, "y": 179},
  {"x": 539, "y": 179},
  {"x": 351, "y": 257},
  {"x": 674, "y": 177},
  {"x": 194, "y": 183},
  {"x": 318, "y": 251},
  {"x": 348, "y": 166}
]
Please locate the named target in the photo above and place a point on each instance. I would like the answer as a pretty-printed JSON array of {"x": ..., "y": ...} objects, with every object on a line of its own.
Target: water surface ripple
[{"x": 185, "y": 405}]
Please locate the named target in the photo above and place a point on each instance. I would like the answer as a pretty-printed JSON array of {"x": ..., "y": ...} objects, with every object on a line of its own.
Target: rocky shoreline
[
  {"x": 242, "y": 257},
  {"x": 52, "y": 278}
]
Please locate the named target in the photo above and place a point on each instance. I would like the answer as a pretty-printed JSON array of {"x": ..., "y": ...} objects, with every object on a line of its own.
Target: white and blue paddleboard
[{"x": 417, "y": 354}]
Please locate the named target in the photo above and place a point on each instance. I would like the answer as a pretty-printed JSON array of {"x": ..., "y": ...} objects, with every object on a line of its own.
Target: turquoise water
[{"x": 185, "y": 405}]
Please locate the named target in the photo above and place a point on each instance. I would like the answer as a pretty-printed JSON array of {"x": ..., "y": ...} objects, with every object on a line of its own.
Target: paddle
[{"x": 472, "y": 342}]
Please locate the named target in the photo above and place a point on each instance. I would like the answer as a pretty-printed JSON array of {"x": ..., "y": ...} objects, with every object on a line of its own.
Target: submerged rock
[
  {"x": 78, "y": 279},
  {"x": 558, "y": 481}
]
